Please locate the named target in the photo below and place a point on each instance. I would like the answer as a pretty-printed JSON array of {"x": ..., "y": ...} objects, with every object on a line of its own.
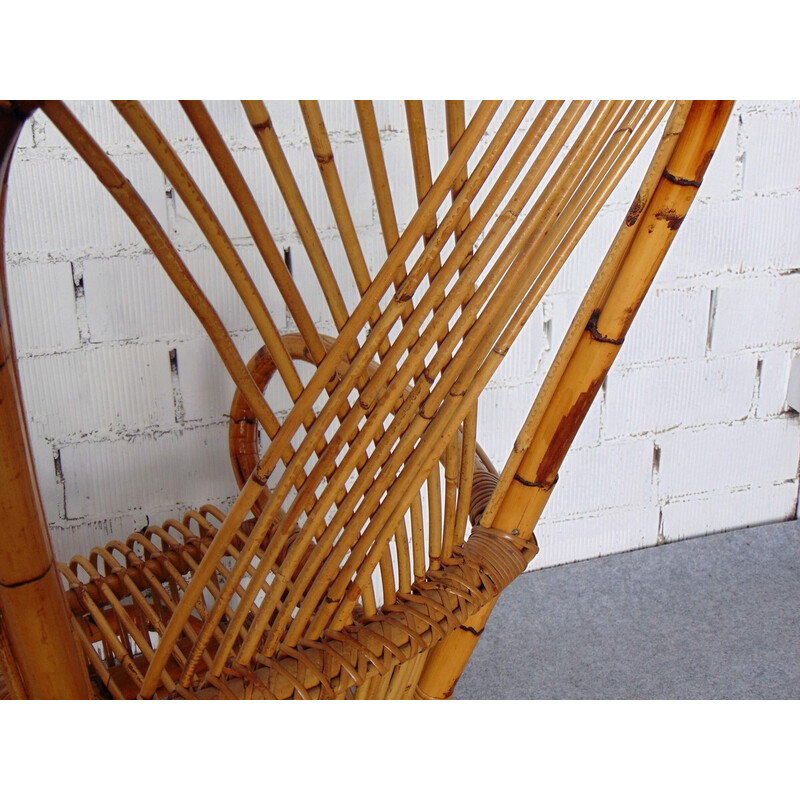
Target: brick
[
  {"x": 723, "y": 511},
  {"x": 774, "y": 381},
  {"x": 671, "y": 324},
  {"x": 44, "y": 459},
  {"x": 657, "y": 397},
  {"x": 596, "y": 478},
  {"x": 524, "y": 357},
  {"x": 756, "y": 313},
  {"x": 132, "y": 298},
  {"x": 43, "y": 314},
  {"x": 728, "y": 456},
  {"x": 206, "y": 387},
  {"x": 582, "y": 265},
  {"x": 202, "y": 170},
  {"x": 78, "y": 539},
  {"x": 48, "y": 206},
  {"x": 771, "y": 149},
  {"x": 723, "y": 178},
  {"x": 98, "y": 389},
  {"x": 397, "y": 153},
  {"x": 751, "y": 233},
  {"x": 26, "y": 137},
  {"x": 217, "y": 286},
  {"x": 595, "y": 535},
  {"x": 103, "y": 122},
  {"x": 108, "y": 478}
]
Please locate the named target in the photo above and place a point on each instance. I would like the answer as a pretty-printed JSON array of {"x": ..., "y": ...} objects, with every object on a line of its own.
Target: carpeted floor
[{"x": 716, "y": 617}]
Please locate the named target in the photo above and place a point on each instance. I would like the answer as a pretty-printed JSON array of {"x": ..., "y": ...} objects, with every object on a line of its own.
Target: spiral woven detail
[
  {"x": 498, "y": 555},
  {"x": 483, "y": 485}
]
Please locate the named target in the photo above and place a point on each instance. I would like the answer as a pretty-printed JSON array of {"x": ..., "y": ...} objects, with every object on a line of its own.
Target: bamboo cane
[
  {"x": 261, "y": 123},
  {"x": 421, "y": 164},
  {"x": 454, "y": 115}
]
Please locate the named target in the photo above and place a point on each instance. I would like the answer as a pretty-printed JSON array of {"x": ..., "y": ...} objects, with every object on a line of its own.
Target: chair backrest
[{"x": 371, "y": 535}]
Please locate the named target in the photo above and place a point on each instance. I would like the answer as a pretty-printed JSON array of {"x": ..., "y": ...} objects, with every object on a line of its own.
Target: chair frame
[{"x": 418, "y": 643}]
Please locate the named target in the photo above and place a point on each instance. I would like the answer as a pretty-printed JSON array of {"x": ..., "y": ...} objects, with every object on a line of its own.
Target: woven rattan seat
[{"x": 371, "y": 535}]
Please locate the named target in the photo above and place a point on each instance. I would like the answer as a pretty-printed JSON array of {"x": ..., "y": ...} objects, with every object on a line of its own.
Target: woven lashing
[{"x": 339, "y": 662}]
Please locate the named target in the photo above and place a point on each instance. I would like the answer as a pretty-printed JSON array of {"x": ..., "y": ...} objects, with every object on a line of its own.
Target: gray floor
[{"x": 715, "y": 617}]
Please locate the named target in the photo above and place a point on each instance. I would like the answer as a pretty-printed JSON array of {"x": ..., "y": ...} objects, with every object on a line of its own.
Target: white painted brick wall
[
  {"x": 103, "y": 389},
  {"x": 773, "y": 304},
  {"x": 690, "y": 435},
  {"x": 657, "y": 397},
  {"x": 732, "y": 456},
  {"x": 102, "y": 479}
]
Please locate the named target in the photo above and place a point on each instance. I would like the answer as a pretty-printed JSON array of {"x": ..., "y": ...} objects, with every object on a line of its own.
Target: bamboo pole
[
  {"x": 598, "y": 346},
  {"x": 321, "y": 146},
  {"x": 455, "y": 117},
  {"x": 421, "y": 164},
  {"x": 38, "y": 639}
]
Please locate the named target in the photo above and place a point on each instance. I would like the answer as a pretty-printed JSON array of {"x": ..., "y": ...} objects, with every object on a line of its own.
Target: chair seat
[{"x": 122, "y": 596}]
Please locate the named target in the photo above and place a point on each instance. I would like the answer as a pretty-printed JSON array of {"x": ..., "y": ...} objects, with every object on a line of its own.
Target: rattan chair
[{"x": 372, "y": 536}]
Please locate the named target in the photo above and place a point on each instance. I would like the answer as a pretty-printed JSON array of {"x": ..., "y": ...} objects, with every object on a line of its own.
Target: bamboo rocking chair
[{"x": 372, "y": 536}]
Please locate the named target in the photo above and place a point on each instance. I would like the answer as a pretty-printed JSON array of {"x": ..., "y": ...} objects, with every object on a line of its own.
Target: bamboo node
[
  {"x": 544, "y": 485},
  {"x": 591, "y": 327},
  {"x": 256, "y": 478},
  {"x": 681, "y": 181}
]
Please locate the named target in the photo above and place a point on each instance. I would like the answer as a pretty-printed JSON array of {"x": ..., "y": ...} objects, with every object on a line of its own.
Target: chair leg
[{"x": 37, "y": 638}]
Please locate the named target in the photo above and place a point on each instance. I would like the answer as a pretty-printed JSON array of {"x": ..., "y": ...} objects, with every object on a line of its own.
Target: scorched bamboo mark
[
  {"x": 635, "y": 210},
  {"x": 565, "y": 433},
  {"x": 672, "y": 219}
]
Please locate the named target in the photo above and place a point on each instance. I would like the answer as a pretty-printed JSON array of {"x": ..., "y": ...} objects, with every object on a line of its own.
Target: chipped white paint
[{"x": 127, "y": 402}]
